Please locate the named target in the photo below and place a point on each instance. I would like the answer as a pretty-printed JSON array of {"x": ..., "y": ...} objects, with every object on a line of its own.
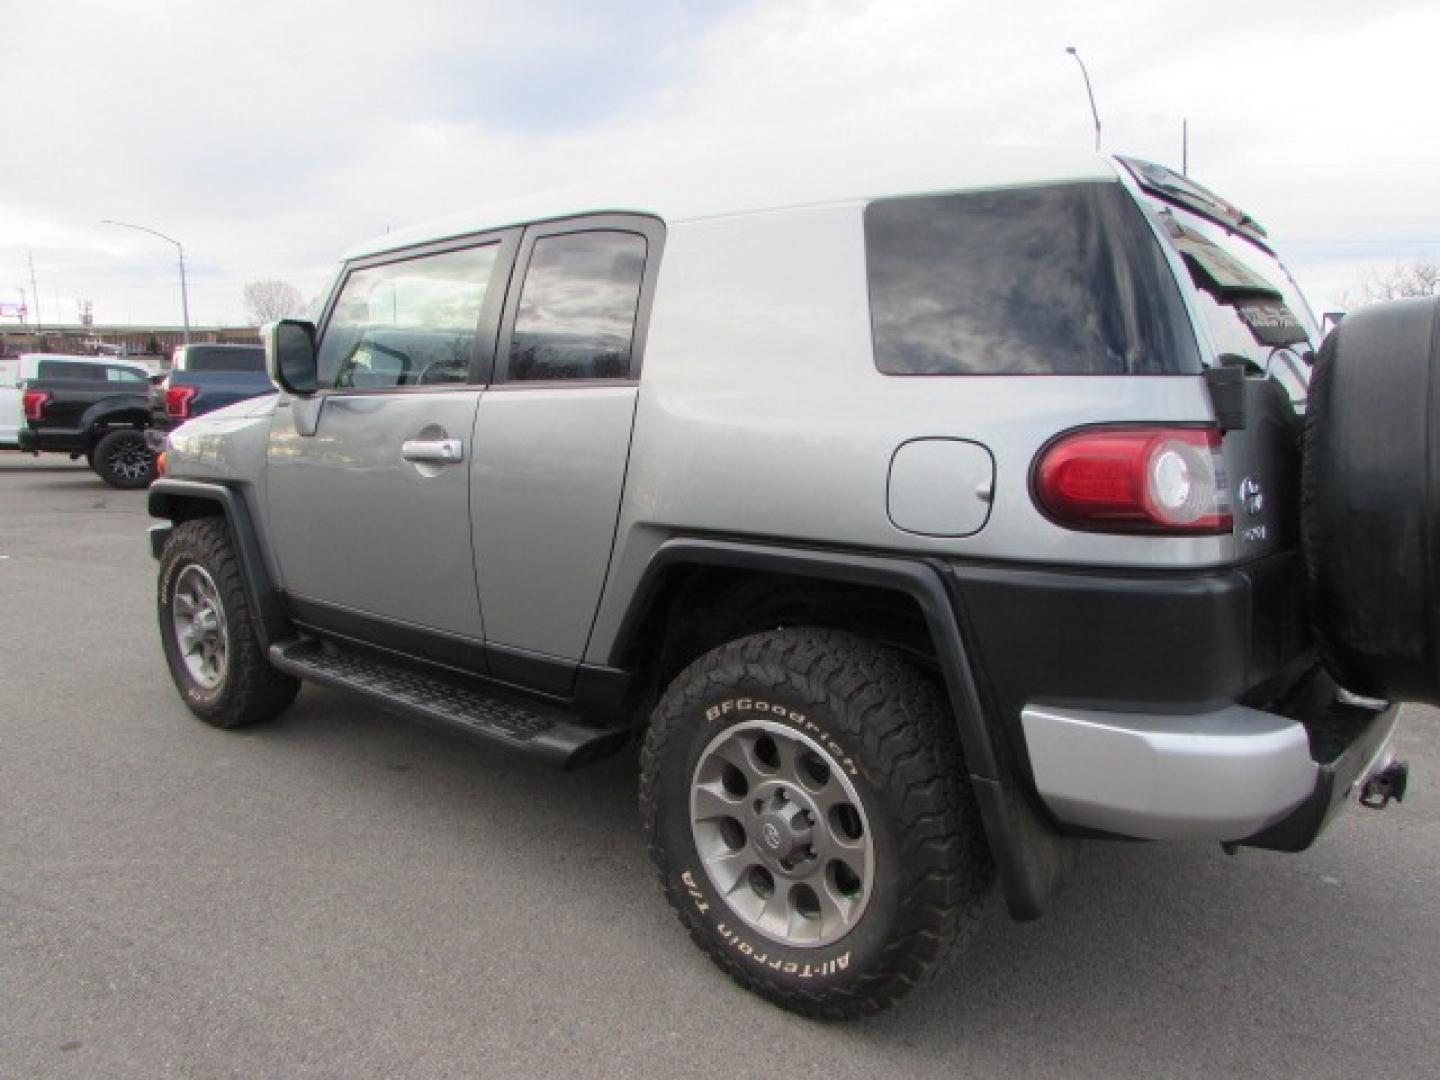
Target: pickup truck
[
  {"x": 205, "y": 378},
  {"x": 81, "y": 405},
  {"x": 12, "y": 416}
]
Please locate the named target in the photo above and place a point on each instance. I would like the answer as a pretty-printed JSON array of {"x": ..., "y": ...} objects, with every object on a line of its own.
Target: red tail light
[
  {"x": 1135, "y": 480},
  {"x": 177, "y": 401},
  {"x": 35, "y": 402}
]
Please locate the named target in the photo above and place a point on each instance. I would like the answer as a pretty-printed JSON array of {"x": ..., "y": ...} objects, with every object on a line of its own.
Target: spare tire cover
[{"x": 1370, "y": 501}]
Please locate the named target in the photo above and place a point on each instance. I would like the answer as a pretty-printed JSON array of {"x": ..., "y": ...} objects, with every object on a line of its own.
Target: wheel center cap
[{"x": 783, "y": 837}]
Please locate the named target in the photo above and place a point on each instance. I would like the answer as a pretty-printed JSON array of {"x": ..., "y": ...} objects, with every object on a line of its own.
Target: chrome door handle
[{"x": 433, "y": 451}]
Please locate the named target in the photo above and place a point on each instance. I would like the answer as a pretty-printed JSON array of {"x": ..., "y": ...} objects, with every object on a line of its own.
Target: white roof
[{"x": 706, "y": 187}]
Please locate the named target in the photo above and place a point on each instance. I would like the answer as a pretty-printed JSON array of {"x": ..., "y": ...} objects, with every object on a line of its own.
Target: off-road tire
[
  {"x": 123, "y": 445},
  {"x": 892, "y": 729},
  {"x": 250, "y": 689}
]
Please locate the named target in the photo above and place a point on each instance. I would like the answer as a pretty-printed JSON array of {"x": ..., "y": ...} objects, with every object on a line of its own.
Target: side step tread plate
[{"x": 532, "y": 727}]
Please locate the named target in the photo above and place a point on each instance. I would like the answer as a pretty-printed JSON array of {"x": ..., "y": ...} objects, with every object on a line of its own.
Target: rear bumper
[
  {"x": 1167, "y": 704},
  {"x": 1160, "y": 641},
  {"x": 1233, "y": 774},
  {"x": 52, "y": 441}
]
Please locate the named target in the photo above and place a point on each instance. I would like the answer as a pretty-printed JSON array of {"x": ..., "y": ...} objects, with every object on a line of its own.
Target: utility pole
[
  {"x": 1185, "y": 147},
  {"x": 1094, "y": 112},
  {"x": 34, "y": 291}
]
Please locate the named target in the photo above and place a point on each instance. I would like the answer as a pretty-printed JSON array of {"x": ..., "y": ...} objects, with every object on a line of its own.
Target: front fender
[{"x": 183, "y": 500}]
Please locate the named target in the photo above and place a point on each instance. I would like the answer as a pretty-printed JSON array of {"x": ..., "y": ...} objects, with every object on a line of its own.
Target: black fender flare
[
  {"x": 118, "y": 410},
  {"x": 1031, "y": 857},
  {"x": 181, "y": 500}
]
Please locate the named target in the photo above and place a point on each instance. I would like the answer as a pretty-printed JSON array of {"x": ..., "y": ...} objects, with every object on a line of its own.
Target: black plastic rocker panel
[{"x": 485, "y": 716}]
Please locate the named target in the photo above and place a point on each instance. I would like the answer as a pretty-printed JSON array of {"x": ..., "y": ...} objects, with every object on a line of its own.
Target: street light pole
[
  {"x": 184, "y": 294},
  {"x": 1094, "y": 112}
]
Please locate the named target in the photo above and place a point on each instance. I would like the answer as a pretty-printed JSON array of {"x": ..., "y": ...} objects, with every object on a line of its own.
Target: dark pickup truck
[
  {"x": 205, "y": 378},
  {"x": 95, "y": 409}
]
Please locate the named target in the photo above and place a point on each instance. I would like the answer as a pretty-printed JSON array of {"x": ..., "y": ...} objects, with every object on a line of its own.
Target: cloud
[{"x": 271, "y": 136}]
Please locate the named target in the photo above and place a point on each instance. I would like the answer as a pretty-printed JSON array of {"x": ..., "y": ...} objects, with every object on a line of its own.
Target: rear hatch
[{"x": 1252, "y": 317}]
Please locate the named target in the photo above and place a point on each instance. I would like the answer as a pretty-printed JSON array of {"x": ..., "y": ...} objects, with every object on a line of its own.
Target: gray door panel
[
  {"x": 548, "y": 466},
  {"x": 359, "y": 521}
]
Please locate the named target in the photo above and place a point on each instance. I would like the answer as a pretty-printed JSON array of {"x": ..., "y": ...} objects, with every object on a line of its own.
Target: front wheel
[
  {"x": 208, "y": 633},
  {"x": 122, "y": 459},
  {"x": 808, "y": 810}
]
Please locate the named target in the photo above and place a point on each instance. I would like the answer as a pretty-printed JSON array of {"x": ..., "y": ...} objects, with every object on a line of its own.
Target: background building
[{"x": 153, "y": 342}]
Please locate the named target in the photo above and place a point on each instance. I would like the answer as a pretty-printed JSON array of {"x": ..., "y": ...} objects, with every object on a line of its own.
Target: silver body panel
[
  {"x": 776, "y": 423},
  {"x": 353, "y": 523},
  {"x": 545, "y": 480}
]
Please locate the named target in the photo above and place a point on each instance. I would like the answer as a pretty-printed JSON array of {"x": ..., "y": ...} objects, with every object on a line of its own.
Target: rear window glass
[
  {"x": 64, "y": 369},
  {"x": 238, "y": 358},
  {"x": 1055, "y": 280}
]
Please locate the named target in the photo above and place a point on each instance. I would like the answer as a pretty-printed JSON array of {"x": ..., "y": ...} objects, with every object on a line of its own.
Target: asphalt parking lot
[{"x": 343, "y": 894}]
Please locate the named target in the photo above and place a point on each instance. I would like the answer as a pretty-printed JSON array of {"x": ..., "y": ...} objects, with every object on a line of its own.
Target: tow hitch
[{"x": 1387, "y": 784}]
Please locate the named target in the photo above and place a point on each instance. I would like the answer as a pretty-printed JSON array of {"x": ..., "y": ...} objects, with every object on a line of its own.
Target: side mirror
[{"x": 290, "y": 355}]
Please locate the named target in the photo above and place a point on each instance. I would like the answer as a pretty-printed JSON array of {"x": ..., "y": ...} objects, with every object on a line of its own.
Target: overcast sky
[{"x": 269, "y": 137}]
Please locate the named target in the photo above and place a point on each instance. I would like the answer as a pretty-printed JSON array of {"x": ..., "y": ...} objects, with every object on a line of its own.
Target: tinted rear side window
[
  {"x": 62, "y": 369},
  {"x": 241, "y": 358},
  {"x": 1057, "y": 280},
  {"x": 577, "y": 310}
]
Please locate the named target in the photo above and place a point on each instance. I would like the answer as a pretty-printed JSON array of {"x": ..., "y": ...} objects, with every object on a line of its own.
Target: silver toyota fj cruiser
[{"x": 918, "y": 520}]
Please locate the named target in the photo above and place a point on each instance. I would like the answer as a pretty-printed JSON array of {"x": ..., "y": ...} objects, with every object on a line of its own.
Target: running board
[{"x": 485, "y": 716}]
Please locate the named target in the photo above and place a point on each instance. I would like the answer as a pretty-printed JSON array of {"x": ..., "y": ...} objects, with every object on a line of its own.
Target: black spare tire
[{"x": 1371, "y": 501}]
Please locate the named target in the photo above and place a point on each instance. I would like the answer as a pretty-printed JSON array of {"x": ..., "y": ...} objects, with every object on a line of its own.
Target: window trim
[
  {"x": 652, "y": 229},
  {"x": 483, "y": 352}
]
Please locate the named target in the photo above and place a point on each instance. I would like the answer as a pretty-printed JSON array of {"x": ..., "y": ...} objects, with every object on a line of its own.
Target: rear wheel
[
  {"x": 122, "y": 459},
  {"x": 808, "y": 810},
  {"x": 207, "y": 631}
]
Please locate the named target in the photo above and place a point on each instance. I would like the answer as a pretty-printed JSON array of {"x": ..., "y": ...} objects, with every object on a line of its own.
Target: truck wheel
[
  {"x": 1370, "y": 501},
  {"x": 122, "y": 459},
  {"x": 807, "y": 806},
  {"x": 208, "y": 634}
]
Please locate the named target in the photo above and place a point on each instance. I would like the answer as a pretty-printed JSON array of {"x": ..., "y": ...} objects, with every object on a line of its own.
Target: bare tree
[
  {"x": 1402, "y": 281},
  {"x": 271, "y": 299}
]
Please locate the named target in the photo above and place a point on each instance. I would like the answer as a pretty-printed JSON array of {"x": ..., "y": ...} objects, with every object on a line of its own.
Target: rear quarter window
[
  {"x": 1055, "y": 280},
  {"x": 64, "y": 369},
  {"x": 235, "y": 359}
]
